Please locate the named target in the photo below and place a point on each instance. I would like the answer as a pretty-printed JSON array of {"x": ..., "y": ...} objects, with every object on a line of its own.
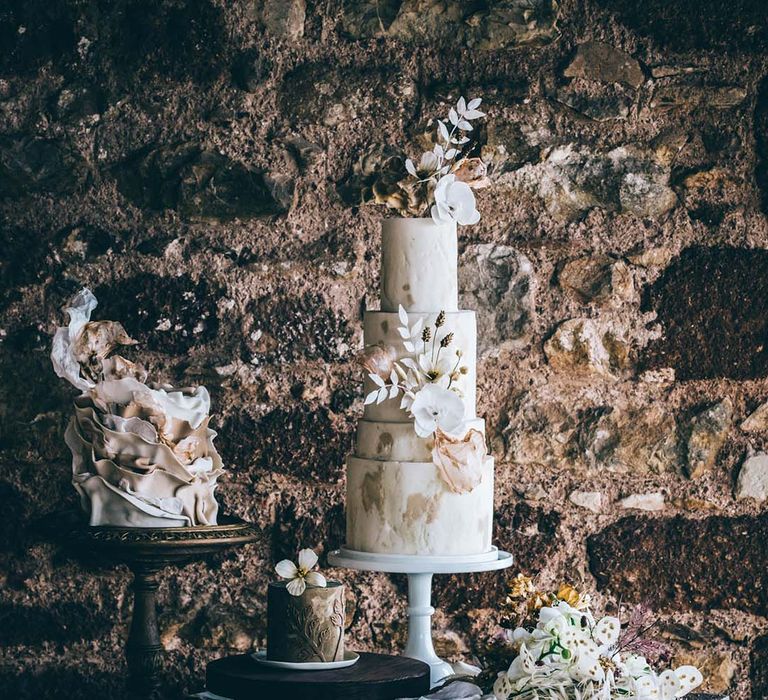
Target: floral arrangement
[
  {"x": 441, "y": 184},
  {"x": 301, "y": 575},
  {"x": 562, "y": 651},
  {"x": 428, "y": 380},
  {"x": 142, "y": 454}
]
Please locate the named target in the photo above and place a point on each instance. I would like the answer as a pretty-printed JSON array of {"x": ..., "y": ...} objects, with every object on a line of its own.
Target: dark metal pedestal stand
[{"x": 146, "y": 552}]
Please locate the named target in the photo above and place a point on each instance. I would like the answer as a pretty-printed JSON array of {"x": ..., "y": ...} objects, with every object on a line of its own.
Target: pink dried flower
[
  {"x": 473, "y": 172},
  {"x": 378, "y": 359}
]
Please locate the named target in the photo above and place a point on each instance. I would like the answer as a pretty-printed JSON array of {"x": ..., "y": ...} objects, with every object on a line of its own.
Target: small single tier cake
[{"x": 307, "y": 627}]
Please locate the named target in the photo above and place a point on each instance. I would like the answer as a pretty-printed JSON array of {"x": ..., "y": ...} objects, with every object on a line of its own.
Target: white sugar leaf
[
  {"x": 453, "y": 117},
  {"x": 393, "y": 391},
  {"x": 473, "y": 114},
  {"x": 410, "y": 363},
  {"x": 382, "y": 396},
  {"x": 371, "y": 397},
  {"x": 450, "y": 153},
  {"x": 443, "y": 129},
  {"x": 376, "y": 379},
  {"x": 408, "y": 345},
  {"x": 464, "y": 125},
  {"x": 463, "y": 140},
  {"x": 401, "y": 312},
  {"x": 444, "y": 170},
  {"x": 393, "y": 377},
  {"x": 474, "y": 104},
  {"x": 416, "y": 329},
  {"x": 403, "y": 331},
  {"x": 410, "y": 167},
  {"x": 461, "y": 105}
]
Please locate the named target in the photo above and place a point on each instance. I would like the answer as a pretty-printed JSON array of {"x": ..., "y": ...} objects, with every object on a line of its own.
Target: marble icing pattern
[
  {"x": 397, "y": 442},
  {"x": 406, "y": 508}
]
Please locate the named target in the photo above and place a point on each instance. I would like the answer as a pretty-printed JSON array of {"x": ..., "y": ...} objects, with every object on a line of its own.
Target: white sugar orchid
[
  {"x": 301, "y": 576},
  {"x": 454, "y": 201},
  {"x": 435, "y": 407}
]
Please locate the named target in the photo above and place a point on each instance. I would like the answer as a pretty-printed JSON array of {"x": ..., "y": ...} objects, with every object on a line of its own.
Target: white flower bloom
[
  {"x": 301, "y": 576},
  {"x": 63, "y": 357},
  {"x": 454, "y": 201},
  {"x": 437, "y": 370},
  {"x": 436, "y": 407}
]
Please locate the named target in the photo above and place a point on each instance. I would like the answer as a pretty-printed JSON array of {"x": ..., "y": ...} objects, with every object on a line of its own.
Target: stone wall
[{"x": 195, "y": 161}]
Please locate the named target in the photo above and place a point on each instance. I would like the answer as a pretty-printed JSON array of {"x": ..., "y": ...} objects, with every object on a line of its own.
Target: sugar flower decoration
[
  {"x": 301, "y": 576},
  {"x": 440, "y": 183},
  {"x": 562, "y": 651},
  {"x": 428, "y": 380},
  {"x": 460, "y": 461},
  {"x": 454, "y": 201},
  {"x": 437, "y": 408}
]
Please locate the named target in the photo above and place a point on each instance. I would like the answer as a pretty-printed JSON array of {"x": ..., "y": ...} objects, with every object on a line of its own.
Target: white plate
[{"x": 349, "y": 658}]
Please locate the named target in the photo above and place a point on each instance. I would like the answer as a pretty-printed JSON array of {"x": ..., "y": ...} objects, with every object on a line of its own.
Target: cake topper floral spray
[{"x": 442, "y": 183}]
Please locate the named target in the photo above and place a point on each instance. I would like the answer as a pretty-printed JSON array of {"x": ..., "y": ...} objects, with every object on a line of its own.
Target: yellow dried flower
[
  {"x": 570, "y": 595},
  {"x": 521, "y": 587}
]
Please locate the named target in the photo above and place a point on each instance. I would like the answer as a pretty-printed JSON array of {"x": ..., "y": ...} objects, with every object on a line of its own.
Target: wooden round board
[{"x": 374, "y": 677}]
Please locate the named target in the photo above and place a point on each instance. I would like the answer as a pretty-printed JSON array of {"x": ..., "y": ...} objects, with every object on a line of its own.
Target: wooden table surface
[{"x": 373, "y": 677}]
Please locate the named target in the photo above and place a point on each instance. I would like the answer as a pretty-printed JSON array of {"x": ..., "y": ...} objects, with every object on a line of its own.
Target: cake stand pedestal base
[
  {"x": 420, "y": 571},
  {"x": 146, "y": 552}
]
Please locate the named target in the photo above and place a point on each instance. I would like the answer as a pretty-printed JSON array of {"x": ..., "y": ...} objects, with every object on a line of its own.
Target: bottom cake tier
[{"x": 407, "y": 508}]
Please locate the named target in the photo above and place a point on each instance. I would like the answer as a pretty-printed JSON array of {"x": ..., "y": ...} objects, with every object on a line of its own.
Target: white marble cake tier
[
  {"x": 381, "y": 326},
  {"x": 397, "y": 442},
  {"x": 406, "y": 508},
  {"x": 419, "y": 265}
]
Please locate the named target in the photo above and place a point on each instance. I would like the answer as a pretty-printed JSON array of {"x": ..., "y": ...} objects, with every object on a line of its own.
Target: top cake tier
[{"x": 419, "y": 261}]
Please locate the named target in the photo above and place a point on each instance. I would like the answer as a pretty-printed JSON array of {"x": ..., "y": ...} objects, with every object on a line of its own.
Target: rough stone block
[
  {"x": 303, "y": 441},
  {"x": 29, "y": 165},
  {"x": 499, "y": 283},
  {"x": 712, "y": 304},
  {"x": 201, "y": 184},
  {"x": 684, "y": 563},
  {"x": 287, "y": 328},
  {"x": 595, "y": 60},
  {"x": 324, "y": 94},
  {"x": 169, "y": 314}
]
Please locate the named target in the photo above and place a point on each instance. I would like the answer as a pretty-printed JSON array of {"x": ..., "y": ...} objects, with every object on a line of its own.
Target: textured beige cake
[
  {"x": 308, "y": 627},
  {"x": 397, "y": 501}
]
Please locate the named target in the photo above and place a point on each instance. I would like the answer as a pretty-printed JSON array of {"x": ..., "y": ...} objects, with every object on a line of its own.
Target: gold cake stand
[{"x": 147, "y": 552}]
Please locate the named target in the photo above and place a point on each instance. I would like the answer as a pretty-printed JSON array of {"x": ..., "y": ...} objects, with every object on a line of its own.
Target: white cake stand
[{"x": 420, "y": 571}]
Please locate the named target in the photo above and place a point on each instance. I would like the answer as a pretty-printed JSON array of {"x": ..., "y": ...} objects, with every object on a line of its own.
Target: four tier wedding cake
[{"x": 420, "y": 480}]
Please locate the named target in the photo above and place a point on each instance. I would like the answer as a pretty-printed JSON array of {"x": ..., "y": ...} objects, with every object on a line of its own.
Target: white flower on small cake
[{"x": 301, "y": 576}]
